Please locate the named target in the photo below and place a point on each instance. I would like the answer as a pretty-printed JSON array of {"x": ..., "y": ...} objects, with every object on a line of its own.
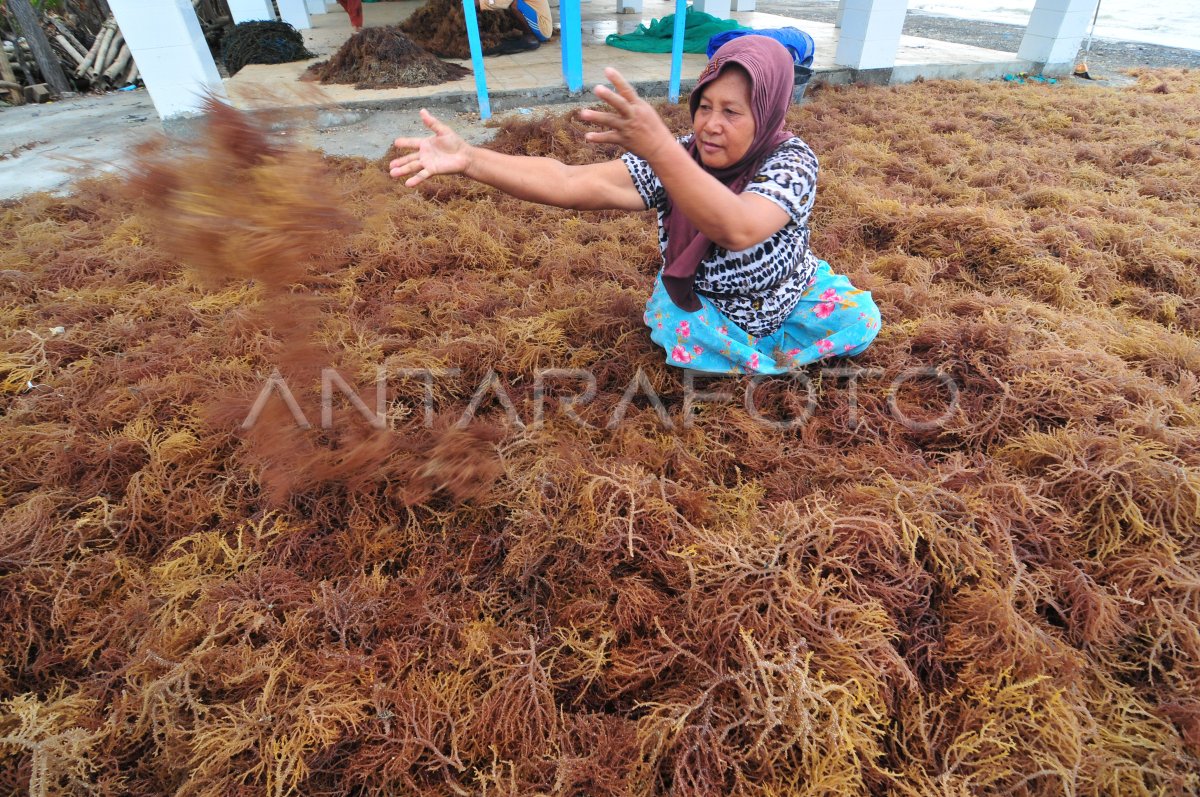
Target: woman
[{"x": 739, "y": 290}]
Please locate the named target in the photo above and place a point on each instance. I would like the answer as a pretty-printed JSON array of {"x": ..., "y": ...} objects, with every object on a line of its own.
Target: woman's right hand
[{"x": 442, "y": 153}]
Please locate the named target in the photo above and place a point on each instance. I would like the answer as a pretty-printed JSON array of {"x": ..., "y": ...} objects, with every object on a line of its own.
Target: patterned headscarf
[{"x": 772, "y": 78}]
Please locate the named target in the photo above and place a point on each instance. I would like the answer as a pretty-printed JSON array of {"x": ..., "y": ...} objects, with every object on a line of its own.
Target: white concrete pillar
[
  {"x": 717, "y": 8},
  {"x": 870, "y": 33},
  {"x": 837, "y": 23},
  {"x": 251, "y": 11},
  {"x": 294, "y": 13},
  {"x": 316, "y": 7},
  {"x": 629, "y": 6},
  {"x": 744, "y": 5},
  {"x": 1056, "y": 30},
  {"x": 168, "y": 46}
]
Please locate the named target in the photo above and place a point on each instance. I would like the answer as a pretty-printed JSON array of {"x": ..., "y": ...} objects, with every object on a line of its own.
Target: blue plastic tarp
[{"x": 799, "y": 44}]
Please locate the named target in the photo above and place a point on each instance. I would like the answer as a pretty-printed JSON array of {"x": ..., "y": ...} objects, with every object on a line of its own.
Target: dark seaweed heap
[{"x": 265, "y": 42}]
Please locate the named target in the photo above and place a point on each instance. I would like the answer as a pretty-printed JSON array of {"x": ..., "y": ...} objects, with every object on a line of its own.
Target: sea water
[{"x": 1173, "y": 23}]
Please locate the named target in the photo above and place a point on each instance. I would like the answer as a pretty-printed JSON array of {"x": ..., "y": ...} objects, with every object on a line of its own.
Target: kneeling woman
[{"x": 739, "y": 290}]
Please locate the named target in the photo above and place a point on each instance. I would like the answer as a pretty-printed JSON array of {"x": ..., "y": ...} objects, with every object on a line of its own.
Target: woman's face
[{"x": 723, "y": 124}]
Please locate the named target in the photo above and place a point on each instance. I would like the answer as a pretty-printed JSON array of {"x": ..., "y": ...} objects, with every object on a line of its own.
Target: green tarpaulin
[{"x": 656, "y": 38}]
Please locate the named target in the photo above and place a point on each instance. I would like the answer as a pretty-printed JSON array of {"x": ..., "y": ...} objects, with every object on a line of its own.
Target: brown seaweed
[
  {"x": 383, "y": 58},
  {"x": 914, "y": 590}
]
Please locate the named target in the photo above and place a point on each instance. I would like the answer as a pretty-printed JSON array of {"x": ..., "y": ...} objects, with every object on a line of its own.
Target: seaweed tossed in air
[{"x": 971, "y": 569}]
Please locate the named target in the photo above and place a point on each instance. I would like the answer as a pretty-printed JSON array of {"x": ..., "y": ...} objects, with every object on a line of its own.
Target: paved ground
[{"x": 43, "y": 147}]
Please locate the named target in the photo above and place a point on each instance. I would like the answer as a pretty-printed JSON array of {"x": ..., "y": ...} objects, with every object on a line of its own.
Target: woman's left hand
[{"x": 632, "y": 123}]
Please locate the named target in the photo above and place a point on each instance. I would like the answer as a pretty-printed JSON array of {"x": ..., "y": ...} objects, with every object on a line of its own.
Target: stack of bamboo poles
[
  {"x": 9, "y": 87},
  {"x": 108, "y": 64}
]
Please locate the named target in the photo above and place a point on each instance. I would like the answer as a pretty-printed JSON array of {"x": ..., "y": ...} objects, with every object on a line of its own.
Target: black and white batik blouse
[{"x": 756, "y": 288}]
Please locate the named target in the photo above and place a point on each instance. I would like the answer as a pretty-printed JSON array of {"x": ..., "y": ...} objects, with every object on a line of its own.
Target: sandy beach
[{"x": 1106, "y": 57}]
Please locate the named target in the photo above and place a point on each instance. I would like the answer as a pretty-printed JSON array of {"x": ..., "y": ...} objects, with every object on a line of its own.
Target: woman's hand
[
  {"x": 442, "y": 153},
  {"x": 632, "y": 124}
]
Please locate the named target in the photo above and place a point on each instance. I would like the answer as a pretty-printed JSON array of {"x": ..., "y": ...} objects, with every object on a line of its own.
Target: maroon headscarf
[{"x": 772, "y": 78}]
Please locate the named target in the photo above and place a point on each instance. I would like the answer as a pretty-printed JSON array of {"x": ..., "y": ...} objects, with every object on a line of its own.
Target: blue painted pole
[
  {"x": 571, "y": 23},
  {"x": 677, "y": 48},
  {"x": 485, "y": 107}
]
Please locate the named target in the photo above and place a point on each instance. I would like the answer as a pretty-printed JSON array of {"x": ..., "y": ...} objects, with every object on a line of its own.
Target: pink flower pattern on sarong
[{"x": 833, "y": 318}]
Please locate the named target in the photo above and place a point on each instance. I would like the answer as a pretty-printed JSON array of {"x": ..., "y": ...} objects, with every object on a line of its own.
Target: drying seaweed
[
  {"x": 262, "y": 42},
  {"x": 383, "y": 58},
  {"x": 440, "y": 27},
  {"x": 450, "y": 597}
]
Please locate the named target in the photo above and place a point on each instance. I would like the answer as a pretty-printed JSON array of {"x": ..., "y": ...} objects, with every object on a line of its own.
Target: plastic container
[{"x": 803, "y": 75}]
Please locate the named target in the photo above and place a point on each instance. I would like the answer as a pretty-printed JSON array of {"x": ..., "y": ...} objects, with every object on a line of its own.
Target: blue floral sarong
[{"x": 832, "y": 319}]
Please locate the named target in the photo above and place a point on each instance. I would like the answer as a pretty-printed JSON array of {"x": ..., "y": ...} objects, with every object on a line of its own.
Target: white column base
[
  {"x": 870, "y": 34},
  {"x": 717, "y": 8},
  {"x": 629, "y": 6},
  {"x": 251, "y": 11},
  {"x": 316, "y": 7},
  {"x": 1056, "y": 30},
  {"x": 172, "y": 56},
  {"x": 295, "y": 13},
  {"x": 744, "y": 5}
]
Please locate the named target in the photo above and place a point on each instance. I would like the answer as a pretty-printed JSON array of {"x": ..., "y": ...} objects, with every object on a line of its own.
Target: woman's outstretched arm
[{"x": 596, "y": 186}]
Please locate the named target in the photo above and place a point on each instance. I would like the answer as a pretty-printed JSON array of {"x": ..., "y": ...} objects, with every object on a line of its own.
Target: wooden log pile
[
  {"x": 104, "y": 65},
  {"x": 108, "y": 63}
]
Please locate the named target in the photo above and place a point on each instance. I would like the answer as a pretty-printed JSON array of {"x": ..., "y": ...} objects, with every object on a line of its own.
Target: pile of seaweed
[
  {"x": 383, "y": 58},
  {"x": 262, "y": 42},
  {"x": 970, "y": 567},
  {"x": 440, "y": 27}
]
